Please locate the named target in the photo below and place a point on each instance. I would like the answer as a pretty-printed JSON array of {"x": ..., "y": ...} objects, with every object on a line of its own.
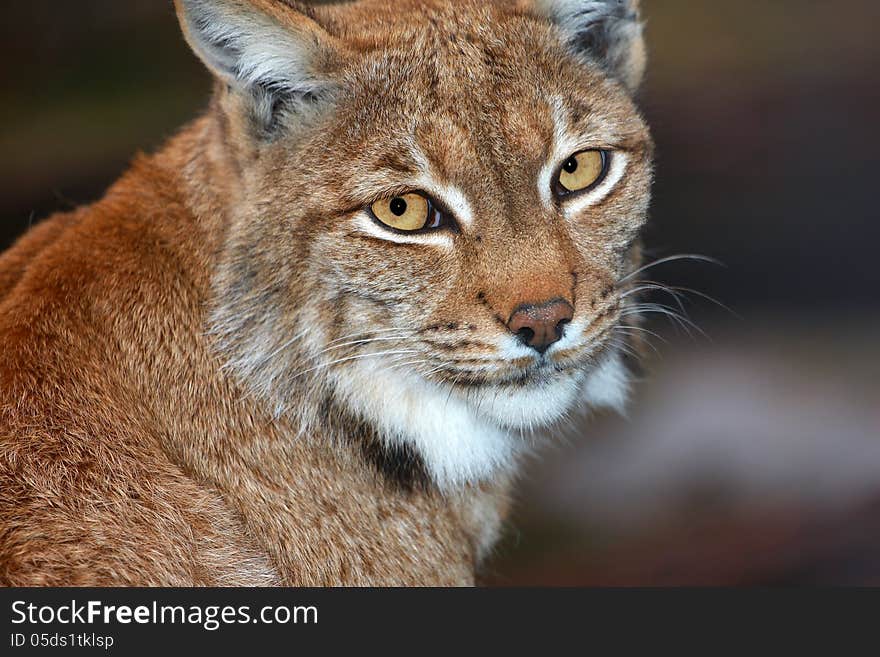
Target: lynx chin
[{"x": 309, "y": 341}]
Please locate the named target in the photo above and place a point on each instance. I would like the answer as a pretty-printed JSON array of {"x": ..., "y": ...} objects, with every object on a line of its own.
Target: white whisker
[
  {"x": 658, "y": 309},
  {"x": 353, "y": 358},
  {"x": 679, "y": 293},
  {"x": 366, "y": 334},
  {"x": 650, "y": 344},
  {"x": 657, "y": 288},
  {"x": 396, "y": 338},
  {"x": 673, "y": 258}
]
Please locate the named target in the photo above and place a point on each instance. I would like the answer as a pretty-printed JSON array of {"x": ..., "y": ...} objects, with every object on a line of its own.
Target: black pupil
[
  {"x": 398, "y": 207},
  {"x": 571, "y": 166}
]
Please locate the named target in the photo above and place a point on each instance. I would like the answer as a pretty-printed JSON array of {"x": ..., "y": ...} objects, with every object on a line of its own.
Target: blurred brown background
[{"x": 752, "y": 457}]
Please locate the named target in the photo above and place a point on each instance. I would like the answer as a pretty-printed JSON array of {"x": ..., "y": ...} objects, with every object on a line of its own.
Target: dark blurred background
[{"x": 748, "y": 457}]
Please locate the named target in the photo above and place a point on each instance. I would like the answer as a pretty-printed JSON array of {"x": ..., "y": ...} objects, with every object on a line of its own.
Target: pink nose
[{"x": 540, "y": 326}]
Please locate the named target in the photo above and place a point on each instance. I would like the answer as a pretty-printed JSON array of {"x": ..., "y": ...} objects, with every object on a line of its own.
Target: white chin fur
[
  {"x": 527, "y": 407},
  {"x": 608, "y": 385},
  {"x": 468, "y": 437}
]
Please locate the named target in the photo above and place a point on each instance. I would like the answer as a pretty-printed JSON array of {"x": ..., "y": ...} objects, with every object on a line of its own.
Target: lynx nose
[{"x": 540, "y": 326}]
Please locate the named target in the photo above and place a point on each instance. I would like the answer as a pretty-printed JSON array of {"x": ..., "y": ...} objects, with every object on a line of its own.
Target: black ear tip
[{"x": 609, "y": 32}]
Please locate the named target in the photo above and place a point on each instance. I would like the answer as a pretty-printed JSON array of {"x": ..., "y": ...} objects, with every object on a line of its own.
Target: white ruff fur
[{"x": 468, "y": 438}]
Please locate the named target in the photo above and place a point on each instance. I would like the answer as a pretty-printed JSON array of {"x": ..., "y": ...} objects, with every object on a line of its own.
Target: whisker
[
  {"x": 657, "y": 288},
  {"x": 412, "y": 363},
  {"x": 315, "y": 357},
  {"x": 710, "y": 299},
  {"x": 646, "y": 341},
  {"x": 658, "y": 309},
  {"x": 435, "y": 370},
  {"x": 353, "y": 358},
  {"x": 395, "y": 338},
  {"x": 673, "y": 258},
  {"x": 275, "y": 352},
  {"x": 365, "y": 334},
  {"x": 621, "y": 346},
  {"x": 265, "y": 359},
  {"x": 451, "y": 390},
  {"x": 683, "y": 291},
  {"x": 630, "y": 327}
]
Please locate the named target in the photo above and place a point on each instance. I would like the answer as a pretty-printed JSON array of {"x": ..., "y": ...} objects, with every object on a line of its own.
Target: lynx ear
[
  {"x": 607, "y": 31},
  {"x": 266, "y": 49}
]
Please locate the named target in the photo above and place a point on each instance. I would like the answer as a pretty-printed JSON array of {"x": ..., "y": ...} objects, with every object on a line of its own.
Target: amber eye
[
  {"x": 408, "y": 213},
  {"x": 583, "y": 171}
]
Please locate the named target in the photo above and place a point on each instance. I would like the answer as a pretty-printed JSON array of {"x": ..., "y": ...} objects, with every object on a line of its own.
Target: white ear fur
[
  {"x": 609, "y": 32},
  {"x": 253, "y": 52}
]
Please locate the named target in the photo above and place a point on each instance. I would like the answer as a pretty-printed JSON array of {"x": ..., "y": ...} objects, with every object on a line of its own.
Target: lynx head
[{"x": 435, "y": 204}]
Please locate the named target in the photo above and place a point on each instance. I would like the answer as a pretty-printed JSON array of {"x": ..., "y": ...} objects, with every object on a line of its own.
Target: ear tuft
[
  {"x": 265, "y": 49},
  {"x": 609, "y": 32}
]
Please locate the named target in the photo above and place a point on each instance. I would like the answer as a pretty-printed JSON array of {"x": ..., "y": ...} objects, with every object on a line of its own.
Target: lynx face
[{"x": 437, "y": 203}]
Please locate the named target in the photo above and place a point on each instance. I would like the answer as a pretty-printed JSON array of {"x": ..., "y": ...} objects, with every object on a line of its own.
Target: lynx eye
[
  {"x": 583, "y": 171},
  {"x": 408, "y": 213}
]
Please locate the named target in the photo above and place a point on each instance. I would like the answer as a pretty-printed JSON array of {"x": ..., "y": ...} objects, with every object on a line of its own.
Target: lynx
[{"x": 312, "y": 339}]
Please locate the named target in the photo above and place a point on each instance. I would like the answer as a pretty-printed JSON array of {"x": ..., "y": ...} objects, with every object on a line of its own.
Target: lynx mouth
[
  {"x": 541, "y": 372},
  {"x": 537, "y": 371},
  {"x": 541, "y": 396}
]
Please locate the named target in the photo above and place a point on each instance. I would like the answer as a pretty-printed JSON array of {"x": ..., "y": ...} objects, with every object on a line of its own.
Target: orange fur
[{"x": 145, "y": 437}]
